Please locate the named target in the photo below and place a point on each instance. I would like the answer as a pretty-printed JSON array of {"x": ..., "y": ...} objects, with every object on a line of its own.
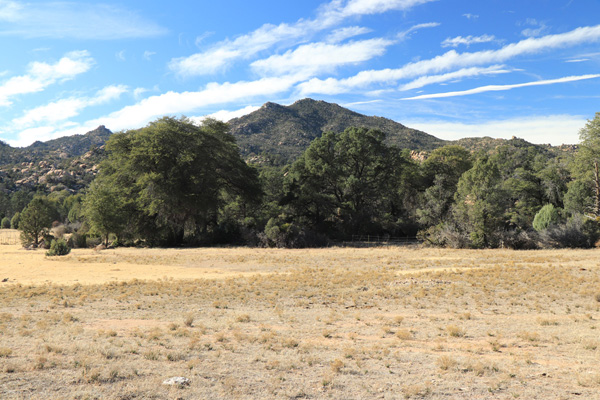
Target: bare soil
[{"x": 341, "y": 323}]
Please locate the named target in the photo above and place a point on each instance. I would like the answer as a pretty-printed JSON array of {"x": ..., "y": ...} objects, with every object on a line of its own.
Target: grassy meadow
[{"x": 340, "y": 323}]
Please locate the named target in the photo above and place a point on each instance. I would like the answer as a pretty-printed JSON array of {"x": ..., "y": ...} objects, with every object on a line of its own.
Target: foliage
[
  {"x": 577, "y": 232},
  {"x": 36, "y": 220},
  {"x": 345, "y": 183},
  {"x": 5, "y": 223},
  {"x": 14, "y": 221},
  {"x": 480, "y": 203},
  {"x": 165, "y": 183},
  {"x": 587, "y": 161},
  {"x": 547, "y": 216},
  {"x": 58, "y": 247}
]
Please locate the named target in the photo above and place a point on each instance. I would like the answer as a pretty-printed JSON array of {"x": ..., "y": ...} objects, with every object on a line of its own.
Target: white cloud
[
  {"x": 222, "y": 54},
  {"x": 225, "y": 115},
  {"x": 58, "y": 19},
  {"x": 120, "y": 55},
  {"x": 496, "y": 88},
  {"x": 138, "y": 92},
  {"x": 176, "y": 103},
  {"x": 339, "y": 35},
  {"x": 40, "y": 75},
  {"x": 148, "y": 54},
  {"x": 577, "y": 60},
  {"x": 537, "y": 30},
  {"x": 369, "y": 7},
  {"x": 67, "y": 108},
  {"x": 470, "y": 16},
  {"x": 9, "y": 10},
  {"x": 170, "y": 103},
  {"x": 450, "y": 60},
  {"x": 553, "y": 129},
  {"x": 314, "y": 58},
  {"x": 461, "y": 73},
  {"x": 467, "y": 41},
  {"x": 414, "y": 28}
]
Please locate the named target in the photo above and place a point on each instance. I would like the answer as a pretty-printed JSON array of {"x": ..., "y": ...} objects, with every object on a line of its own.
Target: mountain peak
[{"x": 286, "y": 131}]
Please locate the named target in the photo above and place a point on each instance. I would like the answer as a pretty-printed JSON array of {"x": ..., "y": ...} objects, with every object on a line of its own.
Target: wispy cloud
[
  {"x": 403, "y": 35},
  {"x": 222, "y": 54},
  {"x": 467, "y": 41},
  {"x": 67, "y": 108},
  {"x": 537, "y": 28},
  {"x": 451, "y": 60},
  {"x": 314, "y": 58},
  {"x": 339, "y": 35},
  {"x": 170, "y": 103},
  {"x": 470, "y": 16},
  {"x": 41, "y": 75},
  {"x": 455, "y": 75},
  {"x": 226, "y": 115},
  {"x": 496, "y": 88},
  {"x": 148, "y": 55},
  {"x": 60, "y": 19}
]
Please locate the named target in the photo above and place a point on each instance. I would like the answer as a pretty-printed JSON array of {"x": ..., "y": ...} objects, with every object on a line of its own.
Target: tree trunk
[{"x": 597, "y": 190}]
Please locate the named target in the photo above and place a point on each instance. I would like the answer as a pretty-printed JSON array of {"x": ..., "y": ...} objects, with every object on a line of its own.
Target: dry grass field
[{"x": 340, "y": 323}]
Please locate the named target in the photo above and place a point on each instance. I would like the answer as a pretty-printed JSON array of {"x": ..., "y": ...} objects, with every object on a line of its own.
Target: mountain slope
[{"x": 286, "y": 131}]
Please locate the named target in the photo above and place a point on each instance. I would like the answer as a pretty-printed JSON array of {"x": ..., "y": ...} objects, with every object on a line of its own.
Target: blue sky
[{"x": 453, "y": 68}]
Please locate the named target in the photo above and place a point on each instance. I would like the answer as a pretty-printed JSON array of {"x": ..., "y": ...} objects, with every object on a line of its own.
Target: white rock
[{"x": 177, "y": 380}]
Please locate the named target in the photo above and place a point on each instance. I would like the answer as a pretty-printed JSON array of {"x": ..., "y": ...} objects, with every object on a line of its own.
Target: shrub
[
  {"x": 290, "y": 235},
  {"x": 546, "y": 217},
  {"x": 577, "y": 232},
  {"x": 14, "y": 222},
  {"x": 58, "y": 247},
  {"x": 5, "y": 223},
  {"x": 518, "y": 240},
  {"x": 77, "y": 241}
]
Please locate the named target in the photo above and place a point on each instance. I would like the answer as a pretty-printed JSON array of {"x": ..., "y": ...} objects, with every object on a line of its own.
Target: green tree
[
  {"x": 104, "y": 209},
  {"x": 5, "y": 223},
  {"x": 587, "y": 161},
  {"x": 480, "y": 202},
  {"x": 172, "y": 176},
  {"x": 14, "y": 221},
  {"x": 442, "y": 170},
  {"x": 346, "y": 183},
  {"x": 36, "y": 219},
  {"x": 547, "y": 216}
]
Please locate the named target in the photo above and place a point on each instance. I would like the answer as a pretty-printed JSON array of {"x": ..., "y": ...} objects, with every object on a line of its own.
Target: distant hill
[
  {"x": 70, "y": 162},
  {"x": 274, "y": 132},
  {"x": 286, "y": 131}
]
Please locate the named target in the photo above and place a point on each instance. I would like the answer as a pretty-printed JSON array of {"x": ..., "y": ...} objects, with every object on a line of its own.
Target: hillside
[
  {"x": 286, "y": 131},
  {"x": 70, "y": 162},
  {"x": 275, "y": 132}
]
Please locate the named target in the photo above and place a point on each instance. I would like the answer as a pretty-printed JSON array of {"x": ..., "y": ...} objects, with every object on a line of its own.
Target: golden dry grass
[{"x": 397, "y": 322}]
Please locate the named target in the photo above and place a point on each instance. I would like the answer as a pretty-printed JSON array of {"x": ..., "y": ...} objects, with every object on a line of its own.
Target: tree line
[{"x": 175, "y": 183}]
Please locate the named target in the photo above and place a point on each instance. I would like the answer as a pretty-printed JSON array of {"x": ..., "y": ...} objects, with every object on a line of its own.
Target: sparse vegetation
[{"x": 338, "y": 322}]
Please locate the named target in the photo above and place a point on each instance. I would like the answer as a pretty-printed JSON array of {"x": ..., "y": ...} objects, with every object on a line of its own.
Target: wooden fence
[
  {"x": 9, "y": 237},
  {"x": 375, "y": 240}
]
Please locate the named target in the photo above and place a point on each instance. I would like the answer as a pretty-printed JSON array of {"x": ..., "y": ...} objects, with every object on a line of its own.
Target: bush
[
  {"x": 519, "y": 240},
  {"x": 445, "y": 235},
  {"x": 77, "y": 241},
  {"x": 290, "y": 235},
  {"x": 577, "y": 232},
  {"x": 14, "y": 222},
  {"x": 58, "y": 247},
  {"x": 546, "y": 217},
  {"x": 5, "y": 223}
]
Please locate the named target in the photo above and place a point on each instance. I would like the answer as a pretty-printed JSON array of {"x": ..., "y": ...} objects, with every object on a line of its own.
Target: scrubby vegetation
[
  {"x": 393, "y": 322},
  {"x": 176, "y": 183}
]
